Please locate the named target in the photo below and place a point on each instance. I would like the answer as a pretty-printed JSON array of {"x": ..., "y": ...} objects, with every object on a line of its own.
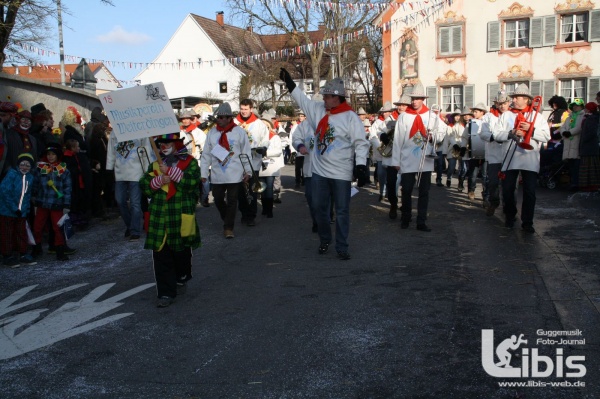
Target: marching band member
[
  {"x": 474, "y": 164},
  {"x": 339, "y": 137},
  {"x": 377, "y": 128},
  {"x": 173, "y": 232},
  {"x": 453, "y": 142},
  {"x": 224, "y": 143},
  {"x": 258, "y": 137},
  {"x": 302, "y": 138},
  {"x": 440, "y": 128},
  {"x": 392, "y": 171},
  {"x": 410, "y": 141},
  {"x": 274, "y": 160},
  {"x": 299, "y": 160},
  {"x": 494, "y": 152},
  {"x": 516, "y": 123},
  {"x": 465, "y": 116}
]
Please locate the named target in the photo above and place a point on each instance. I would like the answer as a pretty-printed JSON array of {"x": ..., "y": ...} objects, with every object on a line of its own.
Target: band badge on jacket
[{"x": 326, "y": 144}]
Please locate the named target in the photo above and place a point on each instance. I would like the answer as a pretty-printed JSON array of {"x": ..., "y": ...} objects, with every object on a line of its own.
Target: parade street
[{"x": 468, "y": 310}]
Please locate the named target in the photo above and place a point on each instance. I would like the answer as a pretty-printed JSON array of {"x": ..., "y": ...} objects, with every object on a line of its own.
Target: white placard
[{"x": 141, "y": 111}]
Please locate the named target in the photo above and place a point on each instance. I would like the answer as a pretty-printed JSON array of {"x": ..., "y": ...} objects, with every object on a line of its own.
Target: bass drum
[{"x": 477, "y": 147}]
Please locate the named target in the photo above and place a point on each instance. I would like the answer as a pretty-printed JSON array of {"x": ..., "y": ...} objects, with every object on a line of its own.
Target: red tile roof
[{"x": 48, "y": 73}]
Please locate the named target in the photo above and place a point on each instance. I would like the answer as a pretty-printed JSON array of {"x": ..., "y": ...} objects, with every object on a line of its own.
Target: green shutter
[
  {"x": 444, "y": 41},
  {"x": 548, "y": 90},
  {"x": 469, "y": 95},
  {"x": 593, "y": 87},
  {"x": 549, "y": 30},
  {"x": 432, "y": 94},
  {"x": 492, "y": 92},
  {"x": 535, "y": 32},
  {"x": 535, "y": 88},
  {"x": 457, "y": 39},
  {"x": 594, "y": 28},
  {"x": 493, "y": 36}
]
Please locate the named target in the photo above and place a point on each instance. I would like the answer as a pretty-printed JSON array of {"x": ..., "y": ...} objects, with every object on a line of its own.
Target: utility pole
[{"x": 61, "y": 45}]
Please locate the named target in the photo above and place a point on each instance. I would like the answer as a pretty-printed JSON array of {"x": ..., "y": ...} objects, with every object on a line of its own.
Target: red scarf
[
  {"x": 324, "y": 122},
  {"x": 521, "y": 115},
  {"x": 418, "y": 125},
  {"x": 223, "y": 142},
  {"x": 395, "y": 114},
  {"x": 248, "y": 121},
  {"x": 190, "y": 128},
  {"x": 381, "y": 118},
  {"x": 495, "y": 112}
]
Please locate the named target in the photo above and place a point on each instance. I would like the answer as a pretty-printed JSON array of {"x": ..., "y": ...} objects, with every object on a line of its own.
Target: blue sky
[{"x": 132, "y": 30}]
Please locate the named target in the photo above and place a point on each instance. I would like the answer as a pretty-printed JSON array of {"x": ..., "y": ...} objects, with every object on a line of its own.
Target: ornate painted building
[{"x": 468, "y": 51}]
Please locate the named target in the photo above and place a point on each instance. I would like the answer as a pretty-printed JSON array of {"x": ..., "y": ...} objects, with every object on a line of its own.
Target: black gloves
[
  {"x": 261, "y": 150},
  {"x": 287, "y": 78},
  {"x": 566, "y": 134},
  {"x": 492, "y": 138},
  {"x": 384, "y": 138},
  {"x": 362, "y": 174},
  {"x": 463, "y": 151},
  {"x": 456, "y": 147}
]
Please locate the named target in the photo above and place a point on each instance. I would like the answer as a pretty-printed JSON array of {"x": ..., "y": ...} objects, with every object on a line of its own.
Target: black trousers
[
  {"x": 408, "y": 182},
  {"x": 391, "y": 178},
  {"x": 169, "y": 268},
  {"x": 508, "y": 194},
  {"x": 298, "y": 169},
  {"x": 227, "y": 208}
]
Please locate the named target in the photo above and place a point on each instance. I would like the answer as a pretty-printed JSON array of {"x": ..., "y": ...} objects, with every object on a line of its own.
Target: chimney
[
  {"x": 30, "y": 68},
  {"x": 249, "y": 29},
  {"x": 220, "y": 16},
  {"x": 16, "y": 70}
]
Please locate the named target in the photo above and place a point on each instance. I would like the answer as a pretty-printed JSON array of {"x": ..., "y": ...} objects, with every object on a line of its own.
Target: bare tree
[
  {"x": 297, "y": 22},
  {"x": 26, "y": 22}
]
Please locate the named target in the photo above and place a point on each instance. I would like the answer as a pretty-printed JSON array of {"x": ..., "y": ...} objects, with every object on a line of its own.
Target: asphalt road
[{"x": 265, "y": 316}]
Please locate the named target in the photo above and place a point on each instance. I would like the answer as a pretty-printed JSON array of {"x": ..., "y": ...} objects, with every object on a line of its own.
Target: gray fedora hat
[
  {"x": 466, "y": 111},
  {"x": 480, "y": 106},
  {"x": 404, "y": 100},
  {"x": 502, "y": 97},
  {"x": 185, "y": 114},
  {"x": 418, "y": 91},
  {"x": 334, "y": 87},
  {"x": 387, "y": 107},
  {"x": 361, "y": 111},
  {"x": 522, "y": 90},
  {"x": 367, "y": 123},
  {"x": 224, "y": 109}
]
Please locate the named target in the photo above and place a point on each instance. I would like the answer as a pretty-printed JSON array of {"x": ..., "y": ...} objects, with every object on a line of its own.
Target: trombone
[{"x": 257, "y": 185}]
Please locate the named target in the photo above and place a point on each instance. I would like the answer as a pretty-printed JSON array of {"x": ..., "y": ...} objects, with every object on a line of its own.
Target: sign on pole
[{"x": 141, "y": 111}]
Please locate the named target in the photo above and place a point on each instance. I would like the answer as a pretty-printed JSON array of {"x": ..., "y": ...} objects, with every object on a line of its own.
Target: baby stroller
[{"x": 550, "y": 175}]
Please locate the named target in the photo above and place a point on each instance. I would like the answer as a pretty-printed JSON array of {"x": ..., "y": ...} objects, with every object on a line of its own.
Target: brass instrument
[
  {"x": 386, "y": 149},
  {"x": 142, "y": 153},
  {"x": 257, "y": 185}
]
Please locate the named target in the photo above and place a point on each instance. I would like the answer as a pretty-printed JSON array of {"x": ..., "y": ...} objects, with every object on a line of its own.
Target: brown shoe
[
  {"x": 471, "y": 195},
  {"x": 228, "y": 234}
]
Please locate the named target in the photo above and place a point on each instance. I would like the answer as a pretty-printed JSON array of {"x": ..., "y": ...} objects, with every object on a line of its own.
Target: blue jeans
[
  {"x": 322, "y": 191},
  {"x": 382, "y": 178},
  {"x": 268, "y": 193},
  {"x": 130, "y": 212}
]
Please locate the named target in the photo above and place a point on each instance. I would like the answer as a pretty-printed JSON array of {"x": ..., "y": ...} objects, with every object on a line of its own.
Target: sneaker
[
  {"x": 528, "y": 229},
  {"x": 127, "y": 234},
  {"x": 343, "y": 255},
  {"x": 277, "y": 200},
  {"x": 12, "y": 262},
  {"x": 228, "y": 234},
  {"x": 323, "y": 248},
  {"x": 164, "y": 301},
  {"x": 134, "y": 237},
  {"x": 471, "y": 195},
  {"x": 27, "y": 260},
  {"x": 448, "y": 183},
  {"x": 181, "y": 287}
]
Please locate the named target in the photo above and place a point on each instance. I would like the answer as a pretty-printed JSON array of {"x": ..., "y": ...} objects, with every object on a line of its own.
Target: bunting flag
[{"x": 418, "y": 15}]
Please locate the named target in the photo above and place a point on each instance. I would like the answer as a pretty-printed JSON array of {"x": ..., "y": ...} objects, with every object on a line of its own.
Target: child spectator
[
  {"x": 78, "y": 187},
  {"x": 16, "y": 191},
  {"x": 52, "y": 196}
]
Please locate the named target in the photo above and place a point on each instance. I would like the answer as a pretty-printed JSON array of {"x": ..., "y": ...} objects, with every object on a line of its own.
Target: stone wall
[{"x": 55, "y": 97}]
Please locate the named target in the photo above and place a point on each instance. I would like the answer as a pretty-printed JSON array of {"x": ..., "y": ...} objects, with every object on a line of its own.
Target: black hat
[
  {"x": 168, "y": 138},
  {"x": 37, "y": 108},
  {"x": 55, "y": 148}
]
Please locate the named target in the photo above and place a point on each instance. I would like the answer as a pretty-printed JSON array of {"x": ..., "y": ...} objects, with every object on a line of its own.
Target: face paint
[{"x": 166, "y": 150}]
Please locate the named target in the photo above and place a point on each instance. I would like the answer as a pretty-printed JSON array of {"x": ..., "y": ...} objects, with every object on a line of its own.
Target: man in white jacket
[
  {"x": 224, "y": 144},
  {"x": 515, "y": 124},
  {"x": 129, "y": 161},
  {"x": 339, "y": 138},
  {"x": 411, "y": 138}
]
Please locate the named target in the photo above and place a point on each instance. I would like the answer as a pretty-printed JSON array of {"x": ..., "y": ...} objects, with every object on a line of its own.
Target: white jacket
[
  {"x": 258, "y": 136},
  {"x": 274, "y": 158},
  {"x": 232, "y": 171},
  {"x": 303, "y": 135},
  {"x": 495, "y": 150},
  {"x": 344, "y": 140},
  {"x": 407, "y": 151},
  {"x": 522, "y": 159},
  {"x": 124, "y": 158}
]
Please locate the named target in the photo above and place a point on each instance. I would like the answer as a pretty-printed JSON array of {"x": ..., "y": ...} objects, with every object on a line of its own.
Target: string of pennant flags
[
  {"x": 342, "y": 5},
  {"x": 416, "y": 20}
]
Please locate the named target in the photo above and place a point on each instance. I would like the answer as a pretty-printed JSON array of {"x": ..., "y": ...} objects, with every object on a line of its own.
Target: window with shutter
[
  {"x": 548, "y": 90},
  {"x": 535, "y": 88},
  {"x": 493, "y": 32},
  {"x": 452, "y": 98},
  {"x": 456, "y": 39},
  {"x": 450, "y": 40},
  {"x": 573, "y": 28},
  {"x": 444, "y": 36},
  {"x": 594, "y": 28},
  {"x": 535, "y": 32},
  {"x": 492, "y": 92}
]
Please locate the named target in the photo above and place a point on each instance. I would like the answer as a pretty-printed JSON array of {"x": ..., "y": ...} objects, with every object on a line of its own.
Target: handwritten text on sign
[{"x": 141, "y": 111}]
